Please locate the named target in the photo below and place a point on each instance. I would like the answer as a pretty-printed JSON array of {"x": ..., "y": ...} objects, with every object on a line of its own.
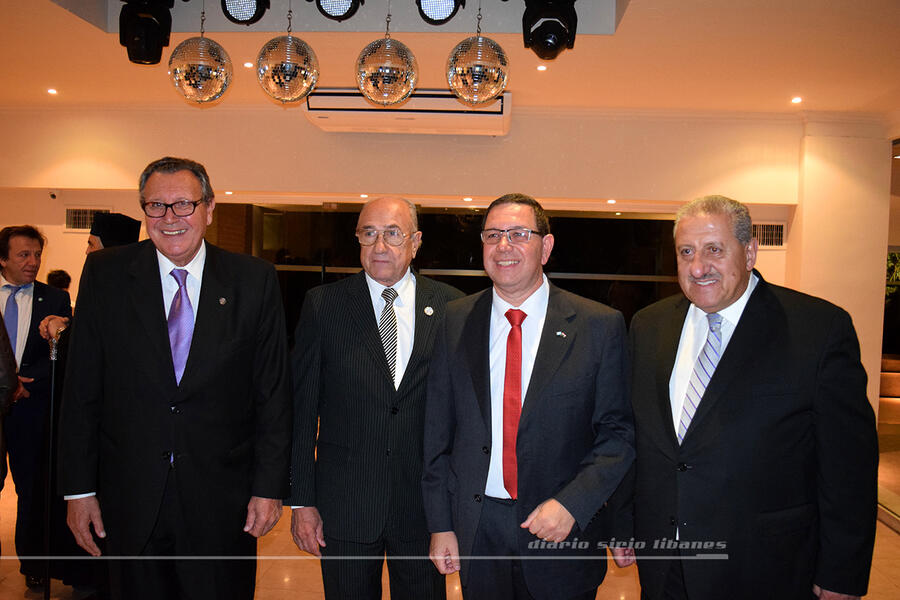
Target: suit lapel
[
  {"x": 476, "y": 333},
  {"x": 38, "y": 312},
  {"x": 666, "y": 350},
  {"x": 362, "y": 314},
  {"x": 424, "y": 325},
  {"x": 147, "y": 298},
  {"x": 557, "y": 337}
]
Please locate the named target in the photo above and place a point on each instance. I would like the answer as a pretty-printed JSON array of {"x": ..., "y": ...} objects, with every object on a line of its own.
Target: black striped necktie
[{"x": 387, "y": 327}]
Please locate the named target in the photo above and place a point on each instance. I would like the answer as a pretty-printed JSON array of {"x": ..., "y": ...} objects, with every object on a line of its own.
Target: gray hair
[
  {"x": 170, "y": 164},
  {"x": 741, "y": 224},
  {"x": 413, "y": 212}
]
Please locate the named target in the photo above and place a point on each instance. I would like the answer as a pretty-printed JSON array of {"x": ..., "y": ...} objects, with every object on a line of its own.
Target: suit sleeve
[
  {"x": 440, "y": 427},
  {"x": 79, "y": 420},
  {"x": 612, "y": 454},
  {"x": 8, "y": 380},
  {"x": 306, "y": 362},
  {"x": 271, "y": 381},
  {"x": 847, "y": 451}
]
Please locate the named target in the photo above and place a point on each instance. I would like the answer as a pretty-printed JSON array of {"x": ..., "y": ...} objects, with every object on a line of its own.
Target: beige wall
[{"x": 573, "y": 160}]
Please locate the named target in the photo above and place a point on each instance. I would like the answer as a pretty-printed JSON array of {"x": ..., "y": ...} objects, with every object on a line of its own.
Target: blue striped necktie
[{"x": 703, "y": 371}]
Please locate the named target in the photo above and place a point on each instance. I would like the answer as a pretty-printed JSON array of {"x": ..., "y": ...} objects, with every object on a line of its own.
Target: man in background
[
  {"x": 363, "y": 345},
  {"x": 756, "y": 445},
  {"x": 25, "y": 302}
]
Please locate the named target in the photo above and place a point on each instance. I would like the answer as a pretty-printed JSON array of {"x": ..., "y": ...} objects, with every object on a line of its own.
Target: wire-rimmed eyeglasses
[
  {"x": 514, "y": 235},
  {"x": 392, "y": 236}
]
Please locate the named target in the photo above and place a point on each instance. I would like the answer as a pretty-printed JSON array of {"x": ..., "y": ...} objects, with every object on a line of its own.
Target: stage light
[
  {"x": 144, "y": 27},
  {"x": 338, "y": 9},
  {"x": 244, "y": 12},
  {"x": 438, "y": 12},
  {"x": 548, "y": 26}
]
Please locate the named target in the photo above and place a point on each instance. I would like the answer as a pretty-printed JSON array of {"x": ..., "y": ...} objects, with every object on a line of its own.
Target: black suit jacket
[
  {"x": 575, "y": 438},
  {"x": 366, "y": 463},
  {"x": 778, "y": 467},
  {"x": 228, "y": 423},
  {"x": 35, "y": 361}
]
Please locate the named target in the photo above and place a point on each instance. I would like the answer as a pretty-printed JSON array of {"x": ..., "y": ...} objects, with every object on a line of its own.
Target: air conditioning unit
[{"x": 426, "y": 111}]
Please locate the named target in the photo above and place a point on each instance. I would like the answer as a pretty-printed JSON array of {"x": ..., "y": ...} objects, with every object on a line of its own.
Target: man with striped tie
[
  {"x": 757, "y": 455},
  {"x": 361, "y": 354}
]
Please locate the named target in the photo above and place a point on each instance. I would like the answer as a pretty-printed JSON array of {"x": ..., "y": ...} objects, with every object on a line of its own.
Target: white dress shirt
[
  {"x": 405, "y": 309},
  {"x": 24, "y": 300},
  {"x": 535, "y": 309},
  {"x": 693, "y": 338}
]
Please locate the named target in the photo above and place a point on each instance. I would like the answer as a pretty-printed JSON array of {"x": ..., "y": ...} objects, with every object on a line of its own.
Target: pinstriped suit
[{"x": 363, "y": 469}]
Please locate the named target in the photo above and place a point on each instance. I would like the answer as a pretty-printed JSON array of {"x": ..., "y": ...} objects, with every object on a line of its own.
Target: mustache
[{"x": 711, "y": 276}]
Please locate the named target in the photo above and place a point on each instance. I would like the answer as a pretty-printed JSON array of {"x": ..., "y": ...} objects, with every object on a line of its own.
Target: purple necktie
[{"x": 181, "y": 324}]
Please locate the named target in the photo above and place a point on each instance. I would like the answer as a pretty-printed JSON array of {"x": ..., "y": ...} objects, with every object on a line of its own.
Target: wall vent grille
[
  {"x": 770, "y": 235},
  {"x": 82, "y": 218}
]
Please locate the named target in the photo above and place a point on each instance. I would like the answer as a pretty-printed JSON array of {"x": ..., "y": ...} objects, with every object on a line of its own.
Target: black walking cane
[{"x": 48, "y": 478}]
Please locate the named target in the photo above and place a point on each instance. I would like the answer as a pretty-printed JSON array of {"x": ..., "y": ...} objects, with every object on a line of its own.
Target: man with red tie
[{"x": 528, "y": 429}]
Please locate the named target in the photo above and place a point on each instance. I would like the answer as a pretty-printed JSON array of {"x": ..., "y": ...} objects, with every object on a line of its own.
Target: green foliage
[{"x": 893, "y": 276}]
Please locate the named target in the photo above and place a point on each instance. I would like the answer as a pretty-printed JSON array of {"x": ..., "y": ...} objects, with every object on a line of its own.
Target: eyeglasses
[
  {"x": 182, "y": 208},
  {"x": 391, "y": 236},
  {"x": 515, "y": 235}
]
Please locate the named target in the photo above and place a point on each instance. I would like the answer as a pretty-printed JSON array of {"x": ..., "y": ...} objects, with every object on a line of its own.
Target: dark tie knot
[
  {"x": 715, "y": 321},
  {"x": 180, "y": 276},
  {"x": 515, "y": 317},
  {"x": 389, "y": 295}
]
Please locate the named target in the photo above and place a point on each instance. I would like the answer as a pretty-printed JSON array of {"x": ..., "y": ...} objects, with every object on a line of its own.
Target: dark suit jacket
[
  {"x": 366, "y": 464},
  {"x": 779, "y": 462},
  {"x": 35, "y": 361},
  {"x": 8, "y": 384},
  {"x": 228, "y": 423},
  {"x": 575, "y": 438}
]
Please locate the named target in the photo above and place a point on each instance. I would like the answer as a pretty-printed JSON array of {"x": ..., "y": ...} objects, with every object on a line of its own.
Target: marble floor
[{"x": 284, "y": 573}]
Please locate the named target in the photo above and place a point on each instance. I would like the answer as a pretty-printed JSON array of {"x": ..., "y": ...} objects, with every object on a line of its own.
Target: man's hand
[
  {"x": 306, "y": 529},
  {"x": 826, "y": 595},
  {"x": 623, "y": 557},
  {"x": 81, "y": 514},
  {"x": 550, "y": 521},
  {"x": 51, "y": 325},
  {"x": 262, "y": 514},
  {"x": 21, "y": 390},
  {"x": 444, "y": 552}
]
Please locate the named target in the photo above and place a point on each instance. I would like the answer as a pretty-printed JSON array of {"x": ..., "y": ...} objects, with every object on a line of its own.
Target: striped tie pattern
[
  {"x": 387, "y": 328},
  {"x": 703, "y": 371}
]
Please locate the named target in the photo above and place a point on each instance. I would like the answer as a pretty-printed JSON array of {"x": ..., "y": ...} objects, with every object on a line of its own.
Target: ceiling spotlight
[
  {"x": 548, "y": 26},
  {"x": 144, "y": 27},
  {"x": 338, "y": 9},
  {"x": 244, "y": 12},
  {"x": 438, "y": 12}
]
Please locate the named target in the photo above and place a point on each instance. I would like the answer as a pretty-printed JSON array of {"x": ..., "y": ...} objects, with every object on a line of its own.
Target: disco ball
[
  {"x": 287, "y": 68},
  {"x": 477, "y": 69},
  {"x": 386, "y": 72},
  {"x": 200, "y": 69}
]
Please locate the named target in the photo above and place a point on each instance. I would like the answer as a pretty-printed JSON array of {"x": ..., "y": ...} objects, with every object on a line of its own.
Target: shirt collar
[
  {"x": 402, "y": 287},
  {"x": 530, "y": 306},
  {"x": 194, "y": 268},
  {"x": 732, "y": 313},
  {"x": 5, "y": 281}
]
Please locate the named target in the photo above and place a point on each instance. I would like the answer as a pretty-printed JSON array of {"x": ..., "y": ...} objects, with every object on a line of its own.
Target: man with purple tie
[{"x": 176, "y": 417}]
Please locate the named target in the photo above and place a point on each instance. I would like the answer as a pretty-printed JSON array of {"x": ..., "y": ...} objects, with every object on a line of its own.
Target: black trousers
[
  {"x": 501, "y": 578},
  {"x": 184, "y": 576}
]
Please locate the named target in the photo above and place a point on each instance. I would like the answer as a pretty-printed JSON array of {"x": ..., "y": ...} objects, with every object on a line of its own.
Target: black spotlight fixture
[
  {"x": 244, "y": 12},
  {"x": 438, "y": 12},
  {"x": 144, "y": 28},
  {"x": 338, "y": 9},
  {"x": 549, "y": 26}
]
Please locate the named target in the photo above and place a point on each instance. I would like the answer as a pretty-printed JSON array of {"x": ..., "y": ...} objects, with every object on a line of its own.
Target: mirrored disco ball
[
  {"x": 287, "y": 68},
  {"x": 386, "y": 72},
  {"x": 200, "y": 69},
  {"x": 477, "y": 70}
]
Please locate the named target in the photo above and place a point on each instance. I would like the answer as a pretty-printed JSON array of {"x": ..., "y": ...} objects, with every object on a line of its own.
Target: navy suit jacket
[{"x": 575, "y": 437}]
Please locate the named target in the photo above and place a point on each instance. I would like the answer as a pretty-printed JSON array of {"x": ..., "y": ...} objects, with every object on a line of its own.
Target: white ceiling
[{"x": 680, "y": 55}]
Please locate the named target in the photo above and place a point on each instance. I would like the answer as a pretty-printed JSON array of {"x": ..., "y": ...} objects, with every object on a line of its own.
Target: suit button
[
  {"x": 672, "y": 521},
  {"x": 682, "y": 467},
  {"x": 387, "y": 452},
  {"x": 477, "y": 497},
  {"x": 394, "y": 410},
  {"x": 174, "y": 410},
  {"x": 485, "y": 450}
]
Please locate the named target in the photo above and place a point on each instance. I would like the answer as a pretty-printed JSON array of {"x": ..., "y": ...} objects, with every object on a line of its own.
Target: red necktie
[{"x": 512, "y": 400}]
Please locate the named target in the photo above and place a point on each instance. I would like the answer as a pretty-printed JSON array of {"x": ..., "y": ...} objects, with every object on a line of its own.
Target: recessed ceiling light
[
  {"x": 467, "y": 199},
  {"x": 228, "y": 193},
  {"x": 898, "y": 156},
  {"x": 363, "y": 195},
  {"x": 52, "y": 91},
  {"x": 248, "y": 64},
  {"x": 796, "y": 100},
  {"x": 610, "y": 201},
  {"x": 618, "y": 213},
  {"x": 542, "y": 67}
]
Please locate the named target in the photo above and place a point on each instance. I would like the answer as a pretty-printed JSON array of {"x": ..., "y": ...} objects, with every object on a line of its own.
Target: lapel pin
[
  {"x": 222, "y": 301},
  {"x": 429, "y": 311},
  {"x": 561, "y": 334},
  {"x": 40, "y": 298}
]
